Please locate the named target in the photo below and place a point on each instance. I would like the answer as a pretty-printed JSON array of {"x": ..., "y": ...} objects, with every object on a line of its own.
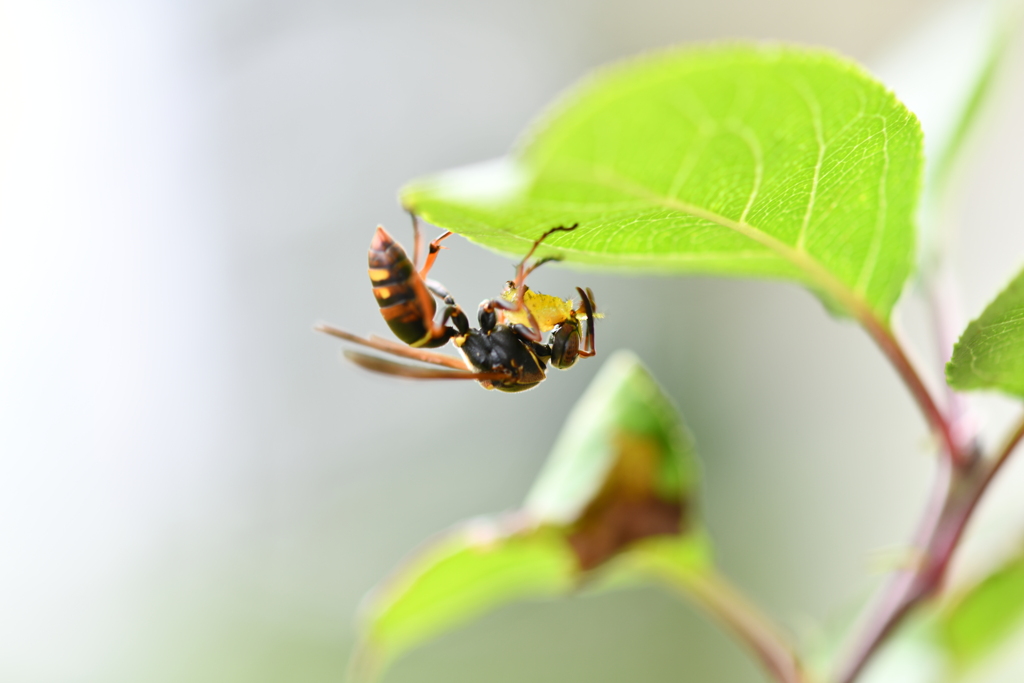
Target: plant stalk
[
  {"x": 960, "y": 455},
  {"x": 957, "y": 494},
  {"x": 719, "y": 598}
]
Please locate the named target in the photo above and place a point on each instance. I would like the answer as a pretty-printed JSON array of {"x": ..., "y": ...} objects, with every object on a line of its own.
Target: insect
[{"x": 505, "y": 352}]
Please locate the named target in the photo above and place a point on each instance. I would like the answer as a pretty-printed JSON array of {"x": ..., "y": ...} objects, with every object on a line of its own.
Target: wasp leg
[
  {"x": 438, "y": 330},
  {"x": 587, "y": 298},
  {"x": 417, "y": 240},
  {"x": 432, "y": 250},
  {"x": 452, "y": 311},
  {"x": 541, "y": 351},
  {"x": 417, "y": 247},
  {"x": 395, "y": 348},
  {"x": 531, "y": 332},
  {"x": 388, "y": 367},
  {"x": 538, "y": 263},
  {"x": 442, "y": 293}
]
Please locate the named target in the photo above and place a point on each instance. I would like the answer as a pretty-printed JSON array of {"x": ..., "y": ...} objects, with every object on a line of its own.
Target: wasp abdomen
[{"x": 407, "y": 307}]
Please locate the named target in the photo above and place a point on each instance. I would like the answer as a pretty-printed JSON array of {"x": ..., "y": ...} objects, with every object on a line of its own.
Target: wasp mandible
[{"x": 506, "y": 352}]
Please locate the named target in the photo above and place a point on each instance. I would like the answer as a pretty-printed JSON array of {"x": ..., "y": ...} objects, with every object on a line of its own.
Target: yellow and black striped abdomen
[{"x": 407, "y": 306}]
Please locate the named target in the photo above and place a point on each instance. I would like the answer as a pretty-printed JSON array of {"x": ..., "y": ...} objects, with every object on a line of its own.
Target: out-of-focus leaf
[
  {"x": 476, "y": 568},
  {"x": 671, "y": 560},
  {"x": 620, "y": 481},
  {"x": 1002, "y": 25},
  {"x": 913, "y": 654},
  {"x": 762, "y": 161},
  {"x": 984, "y": 617},
  {"x": 624, "y": 415},
  {"x": 990, "y": 353},
  {"x": 945, "y": 74},
  {"x": 623, "y": 468}
]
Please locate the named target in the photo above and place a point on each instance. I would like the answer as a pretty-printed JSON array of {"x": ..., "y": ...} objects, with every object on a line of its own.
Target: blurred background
[{"x": 195, "y": 486}]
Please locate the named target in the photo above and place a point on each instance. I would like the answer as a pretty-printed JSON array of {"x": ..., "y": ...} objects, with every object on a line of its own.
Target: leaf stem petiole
[{"x": 723, "y": 601}]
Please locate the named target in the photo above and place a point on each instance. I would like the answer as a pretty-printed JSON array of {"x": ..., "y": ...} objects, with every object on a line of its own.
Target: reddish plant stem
[
  {"x": 883, "y": 336},
  {"x": 746, "y": 622},
  {"x": 958, "y": 491}
]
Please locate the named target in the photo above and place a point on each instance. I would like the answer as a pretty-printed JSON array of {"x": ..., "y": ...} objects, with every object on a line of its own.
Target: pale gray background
[{"x": 193, "y": 485}]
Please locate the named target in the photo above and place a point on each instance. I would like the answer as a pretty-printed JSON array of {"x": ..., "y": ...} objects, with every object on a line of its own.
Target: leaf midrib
[{"x": 817, "y": 274}]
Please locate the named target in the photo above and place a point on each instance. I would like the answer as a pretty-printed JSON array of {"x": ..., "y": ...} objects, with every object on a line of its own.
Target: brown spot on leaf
[{"x": 628, "y": 507}]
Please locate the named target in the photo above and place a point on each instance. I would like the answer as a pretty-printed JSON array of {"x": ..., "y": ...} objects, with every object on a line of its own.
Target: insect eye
[{"x": 565, "y": 346}]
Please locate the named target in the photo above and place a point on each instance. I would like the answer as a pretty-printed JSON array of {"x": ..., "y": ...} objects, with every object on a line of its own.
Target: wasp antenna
[
  {"x": 552, "y": 231},
  {"x": 537, "y": 264},
  {"x": 522, "y": 271},
  {"x": 548, "y": 233}
]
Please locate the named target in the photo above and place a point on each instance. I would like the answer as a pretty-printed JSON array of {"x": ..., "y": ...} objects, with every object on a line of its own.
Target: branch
[
  {"x": 1009, "y": 444},
  {"x": 960, "y": 454},
  {"x": 736, "y": 613},
  {"x": 957, "y": 493},
  {"x": 900, "y": 594}
]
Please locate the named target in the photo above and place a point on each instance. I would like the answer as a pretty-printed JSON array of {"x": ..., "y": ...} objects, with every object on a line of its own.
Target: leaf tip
[{"x": 491, "y": 182}]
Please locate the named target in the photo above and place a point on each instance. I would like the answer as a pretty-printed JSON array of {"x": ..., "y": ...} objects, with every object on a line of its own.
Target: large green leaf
[
  {"x": 764, "y": 161},
  {"x": 990, "y": 353},
  {"x": 986, "y": 616}
]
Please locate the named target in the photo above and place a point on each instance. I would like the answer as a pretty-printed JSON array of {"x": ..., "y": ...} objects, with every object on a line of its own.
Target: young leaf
[
  {"x": 620, "y": 480},
  {"x": 945, "y": 73},
  {"x": 623, "y": 419},
  {"x": 622, "y": 470},
  {"x": 1002, "y": 24},
  {"x": 990, "y": 353},
  {"x": 775, "y": 162},
  {"x": 986, "y": 616},
  {"x": 914, "y": 654},
  {"x": 473, "y": 569}
]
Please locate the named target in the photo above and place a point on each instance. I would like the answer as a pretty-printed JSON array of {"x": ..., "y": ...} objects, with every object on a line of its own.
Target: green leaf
[
  {"x": 946, "y": 73},
  {"x": 672, "y": 560},
  {"x": 622, "y": 470},
  {"x": 990, "y": 353},
  {"x": 620, "y": 481},
  {"x": 986, "y": 616},
  {"x": 622, "y": 410},
  {"x": 913, "y": 654},
  {"x": 777, "y": 162},
  {"x": 1002, "y": 24},
  {"x": 476, "y": 568}
]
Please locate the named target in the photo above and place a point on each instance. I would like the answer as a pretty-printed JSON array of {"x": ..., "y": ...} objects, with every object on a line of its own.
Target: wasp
[{"x": 505, "y": 352}]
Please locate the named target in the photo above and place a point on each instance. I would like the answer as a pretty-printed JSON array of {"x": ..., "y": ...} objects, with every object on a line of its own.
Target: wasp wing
[
  {"x": 388, "y": 367},
  {"x": 395, "y": 348}
]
